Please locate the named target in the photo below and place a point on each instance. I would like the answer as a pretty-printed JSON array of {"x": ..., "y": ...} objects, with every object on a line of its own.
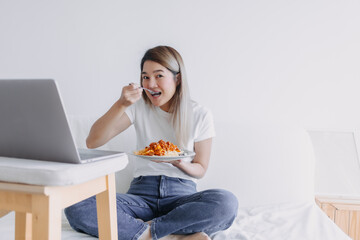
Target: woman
[{"x": 162, "y": 201}]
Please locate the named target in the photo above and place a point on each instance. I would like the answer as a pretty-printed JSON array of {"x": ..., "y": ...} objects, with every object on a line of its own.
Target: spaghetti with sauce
[{"x": 160, "y": 148}]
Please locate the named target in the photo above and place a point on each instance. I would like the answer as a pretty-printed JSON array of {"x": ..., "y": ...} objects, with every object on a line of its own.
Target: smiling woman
[
  {"x": 160, "y": 80},
  {"x": 163, "y": 65},
  {"x": 162, "y": 201}
]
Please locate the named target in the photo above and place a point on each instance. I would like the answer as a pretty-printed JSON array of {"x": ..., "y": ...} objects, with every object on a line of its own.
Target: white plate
[{"x": 185, "y": 154}]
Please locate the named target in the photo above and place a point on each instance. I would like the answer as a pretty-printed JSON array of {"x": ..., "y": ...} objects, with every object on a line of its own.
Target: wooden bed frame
[{"x": 345, "y": 212}]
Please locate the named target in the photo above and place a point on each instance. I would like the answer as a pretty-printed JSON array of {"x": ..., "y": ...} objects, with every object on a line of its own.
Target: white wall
[
  {"x": 244, "y": 59},
  {"x": 271, "y": 57}
]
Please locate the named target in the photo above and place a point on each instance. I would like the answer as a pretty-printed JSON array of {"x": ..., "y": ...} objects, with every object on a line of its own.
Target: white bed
[
  {"x": 285, "y": 221},
  {"x": 274, "y": 185},
  {"x": 277, "y": 222}
]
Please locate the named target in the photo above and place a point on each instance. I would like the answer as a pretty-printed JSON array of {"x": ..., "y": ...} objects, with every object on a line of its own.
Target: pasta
[{"x": 160, "y": 148}]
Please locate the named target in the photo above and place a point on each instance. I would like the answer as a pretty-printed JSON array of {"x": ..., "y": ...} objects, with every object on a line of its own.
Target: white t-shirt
[{"x": 153, "y": 124}]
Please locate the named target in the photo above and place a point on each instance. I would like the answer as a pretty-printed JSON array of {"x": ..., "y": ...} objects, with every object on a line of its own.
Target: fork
[{"x": 150, "y": 91}]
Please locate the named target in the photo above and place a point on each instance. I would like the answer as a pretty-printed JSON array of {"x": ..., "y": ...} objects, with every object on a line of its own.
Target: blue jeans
[{"x": 172, "y": 204}]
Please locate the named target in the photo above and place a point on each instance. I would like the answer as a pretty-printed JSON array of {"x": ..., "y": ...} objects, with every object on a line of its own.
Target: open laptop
[{"x": 33, "y": 124}]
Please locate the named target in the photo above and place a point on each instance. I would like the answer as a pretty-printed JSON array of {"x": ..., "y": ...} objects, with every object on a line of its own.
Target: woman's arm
[
  {"x": 114, "y": 121},
  {"x": 197, "y": 168}
]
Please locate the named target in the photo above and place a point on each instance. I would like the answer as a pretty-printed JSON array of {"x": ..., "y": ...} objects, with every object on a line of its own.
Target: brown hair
[{"x": 180, "y": 107}]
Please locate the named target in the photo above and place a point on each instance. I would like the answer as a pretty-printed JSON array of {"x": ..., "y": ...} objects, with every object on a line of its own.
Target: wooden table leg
[
  {"x": 23, "y": 226},
  {"x": 46, "y": 218},
  {"x": 106, "y": 211}
]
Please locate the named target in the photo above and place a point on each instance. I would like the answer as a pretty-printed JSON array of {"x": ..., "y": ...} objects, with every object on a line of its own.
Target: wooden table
[{"x": 38, "y": 208}]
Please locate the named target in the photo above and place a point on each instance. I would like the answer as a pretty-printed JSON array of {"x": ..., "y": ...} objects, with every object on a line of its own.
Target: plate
[{"x": 185, "y": 154}]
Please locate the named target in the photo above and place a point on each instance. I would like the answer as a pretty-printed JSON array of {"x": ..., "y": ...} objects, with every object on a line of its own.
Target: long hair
[{"x": 180, "y": 108}]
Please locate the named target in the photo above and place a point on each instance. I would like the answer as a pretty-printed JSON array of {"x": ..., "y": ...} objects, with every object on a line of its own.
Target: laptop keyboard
[{"x": 86, "y": 154}]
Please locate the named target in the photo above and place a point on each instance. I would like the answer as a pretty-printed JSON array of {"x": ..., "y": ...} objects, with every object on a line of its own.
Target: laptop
[{"x": 33, "y": 124}]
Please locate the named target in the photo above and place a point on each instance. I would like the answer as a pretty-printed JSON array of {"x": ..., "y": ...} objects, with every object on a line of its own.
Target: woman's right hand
[
  {"x": 130, "y": 94},
  {"x": 114, "y": 121}
]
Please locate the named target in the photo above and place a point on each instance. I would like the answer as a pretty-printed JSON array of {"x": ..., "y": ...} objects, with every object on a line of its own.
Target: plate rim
[{"x": 166, "y": 158}]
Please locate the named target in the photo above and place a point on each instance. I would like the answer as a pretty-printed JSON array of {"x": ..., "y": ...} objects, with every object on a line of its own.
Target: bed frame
[{"x": 345, "y": 212}]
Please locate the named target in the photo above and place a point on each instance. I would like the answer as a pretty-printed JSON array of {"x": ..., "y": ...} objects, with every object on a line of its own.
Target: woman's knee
[
  {"x": 82, "y": 208},
  {"x": 83, "y": 216},
  {"x": 225, "y": 203}
]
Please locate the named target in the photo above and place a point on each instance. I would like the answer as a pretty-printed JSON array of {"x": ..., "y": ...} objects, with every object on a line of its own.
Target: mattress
[{"x": 301, "y": 221}]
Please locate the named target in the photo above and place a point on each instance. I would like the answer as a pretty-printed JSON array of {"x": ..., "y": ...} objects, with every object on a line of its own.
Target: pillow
[{"x": 262, "y": 162}]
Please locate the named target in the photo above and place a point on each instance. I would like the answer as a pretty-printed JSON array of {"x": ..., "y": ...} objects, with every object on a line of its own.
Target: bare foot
[
  {"x": 146, "y": 235},
  {"x": 198, "y": 236},
  {"x": 195, "y": 236}
]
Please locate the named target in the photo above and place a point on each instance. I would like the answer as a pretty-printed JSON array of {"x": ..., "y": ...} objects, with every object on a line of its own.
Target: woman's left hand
[
  {"x": 175, "y": 163},
  {"x": 198, "y": 166}
]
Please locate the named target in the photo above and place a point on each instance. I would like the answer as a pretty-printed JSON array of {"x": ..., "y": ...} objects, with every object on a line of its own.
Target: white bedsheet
[
  {"x": 281, "y": 222},
  {"x": 303, "y": 221}
]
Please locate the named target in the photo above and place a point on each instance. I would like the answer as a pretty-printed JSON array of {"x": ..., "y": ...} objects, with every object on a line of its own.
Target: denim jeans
[{"x": 172, "y": 204}]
